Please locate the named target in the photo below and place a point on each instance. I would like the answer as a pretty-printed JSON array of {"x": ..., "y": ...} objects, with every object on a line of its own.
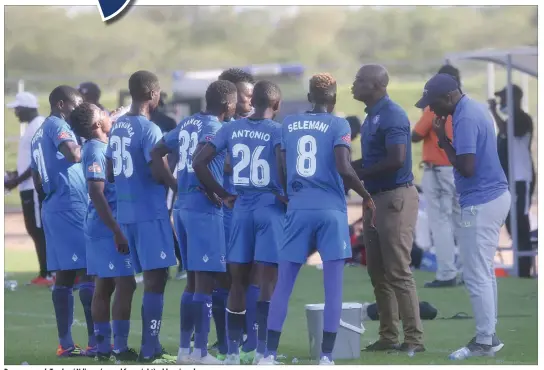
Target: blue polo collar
[{"x": 378, "y": 106}]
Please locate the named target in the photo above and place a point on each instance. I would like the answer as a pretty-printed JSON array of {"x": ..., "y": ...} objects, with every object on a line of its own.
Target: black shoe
[
  {"x": 381, "y": 345},
  {"x": 442, "y": 283},
  {"x": 130, "y": 355},
  {"x": 410, "y": 347}
]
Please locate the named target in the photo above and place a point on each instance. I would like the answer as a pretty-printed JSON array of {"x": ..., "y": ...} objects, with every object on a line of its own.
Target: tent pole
[
  {"x": 511, "y": 164},
  {"x": 490, "y": 80}
]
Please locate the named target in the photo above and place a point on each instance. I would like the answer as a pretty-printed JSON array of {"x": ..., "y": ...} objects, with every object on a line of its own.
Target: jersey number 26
[{"x": 259, "y": 169}]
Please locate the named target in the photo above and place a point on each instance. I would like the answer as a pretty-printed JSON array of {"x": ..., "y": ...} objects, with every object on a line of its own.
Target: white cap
[{"x": 24, "y": 100}]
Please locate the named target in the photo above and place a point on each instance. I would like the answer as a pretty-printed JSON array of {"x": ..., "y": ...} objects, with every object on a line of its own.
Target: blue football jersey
[
  {"x": 139, "y": 196},
  {"x": 63, "y": 181},
  {"x": 193, "y": 130},
  {"x": 251, "y": 144},
  {"x": 309, "y": 140},
  {"x": 94, "y": 166}
]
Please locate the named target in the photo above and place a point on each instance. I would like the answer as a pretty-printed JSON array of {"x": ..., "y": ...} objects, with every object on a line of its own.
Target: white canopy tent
[{"x": 523, "y": 59}]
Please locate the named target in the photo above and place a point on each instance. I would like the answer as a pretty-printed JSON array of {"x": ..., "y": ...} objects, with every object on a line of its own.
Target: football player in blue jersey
[
  {"x": 141, "y": 206},
  {"x": 316, "y": 156},
  {"x": 257, "y": 222},
  {"x": 57, "y": 172},
  {"x": 198, "y": 218},
  {"x": 244, "y": 82},
  {"x": 107, "y": 247}
]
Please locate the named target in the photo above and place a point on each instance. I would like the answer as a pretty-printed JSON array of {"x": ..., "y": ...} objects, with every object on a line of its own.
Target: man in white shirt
[{"x": 26, "y": 110}]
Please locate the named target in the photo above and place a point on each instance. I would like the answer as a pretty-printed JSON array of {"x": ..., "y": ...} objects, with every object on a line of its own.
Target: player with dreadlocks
[
  {"x": 107, "y": 247},
  {"x": 316, "y": 156}
]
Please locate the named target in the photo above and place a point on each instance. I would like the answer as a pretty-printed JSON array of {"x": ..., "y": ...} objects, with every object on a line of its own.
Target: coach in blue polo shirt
[
  {"x": 386, "y": 169},
  {"x": 483, "y": 196}
]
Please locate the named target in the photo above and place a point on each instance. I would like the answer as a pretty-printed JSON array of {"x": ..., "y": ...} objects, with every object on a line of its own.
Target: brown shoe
[
  {"x": 381, "y": 345},
  {"x": 410, "y": 347}
]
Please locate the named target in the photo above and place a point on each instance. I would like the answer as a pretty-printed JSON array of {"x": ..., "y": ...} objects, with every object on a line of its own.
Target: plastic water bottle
[
  {"x": 10, "y": 284},
  {"x": 122, "y": 111}
]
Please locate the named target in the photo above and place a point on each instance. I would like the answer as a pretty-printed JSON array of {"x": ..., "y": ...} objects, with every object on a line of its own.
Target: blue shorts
[
  {"x": 151, "y": 244},
  {"x": 327, "y": 230},
  {"x": 65, "y": 239},
  {"x": 201, "y": 238},
  {"x": 104, "y": 261},
  {"x": 256, "y": 235},
  {"x": 227, "y": 222}
]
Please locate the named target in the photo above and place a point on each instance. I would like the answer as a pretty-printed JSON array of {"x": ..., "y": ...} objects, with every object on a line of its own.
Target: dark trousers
[
  {"x": 523, "y": 195},
  {"x": 33, "y": 225}
]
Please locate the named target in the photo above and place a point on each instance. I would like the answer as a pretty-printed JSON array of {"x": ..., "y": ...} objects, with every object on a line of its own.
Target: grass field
[{"x": 30, "y": 331}]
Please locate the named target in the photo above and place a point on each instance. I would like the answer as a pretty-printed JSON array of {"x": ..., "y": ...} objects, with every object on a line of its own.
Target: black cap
[
  {"x": 440, "y": 84},
  {"x": 518, "y": 93},
  {"x": 89, "y": 89}
]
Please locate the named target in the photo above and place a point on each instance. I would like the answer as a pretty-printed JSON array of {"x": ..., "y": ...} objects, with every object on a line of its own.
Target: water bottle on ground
[{"x": 10, "y": 284}]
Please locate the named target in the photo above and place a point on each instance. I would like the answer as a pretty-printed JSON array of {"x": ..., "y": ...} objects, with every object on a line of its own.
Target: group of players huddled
[{"x": 255, "y": 199}]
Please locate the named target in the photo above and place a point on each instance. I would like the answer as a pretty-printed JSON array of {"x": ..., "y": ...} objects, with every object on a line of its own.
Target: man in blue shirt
[
  {"x": 57, "y": 172},
  {"x": 198, "y": 218},
  {"x": 315, "y": 160},
  {"x": 483, "y": 196},
  {"x": 244, "y": 82},
  {"x": 107, "y": 246},
  {"x": 257, "y": 218},
  {"x": 386, "y": 168},
  {"x": 141, "y": 206}
]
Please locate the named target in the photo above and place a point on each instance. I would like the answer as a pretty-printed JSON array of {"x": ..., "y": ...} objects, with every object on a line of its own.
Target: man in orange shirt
[{"x": 439, "y": 190}]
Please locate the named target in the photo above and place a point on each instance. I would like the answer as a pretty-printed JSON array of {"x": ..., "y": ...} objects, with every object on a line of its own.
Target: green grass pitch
[{"x": 30, "y": 331}]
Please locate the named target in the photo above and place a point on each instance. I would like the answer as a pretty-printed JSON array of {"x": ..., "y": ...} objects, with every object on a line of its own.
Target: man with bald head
[{"x": 386, "y": 169}]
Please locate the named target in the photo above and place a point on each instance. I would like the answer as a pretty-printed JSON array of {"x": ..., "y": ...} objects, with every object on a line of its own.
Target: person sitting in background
[
  {"x": 26, "y": 109},
  {"x": 439, "y": 190},
  {"x": 355, "y": 126},
  {"x": 524, "y": 170}
]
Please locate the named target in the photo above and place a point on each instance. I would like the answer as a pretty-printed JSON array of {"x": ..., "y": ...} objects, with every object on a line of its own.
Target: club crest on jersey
[
  {"x": 109, "y": 9},
  {"x": 347, "y": 138},
  {"x": 95, "y": 168},
  {"x": 209, "y": 138},
  {"x": 376, "y": 119},
  {"x": 65, "y": 135}
]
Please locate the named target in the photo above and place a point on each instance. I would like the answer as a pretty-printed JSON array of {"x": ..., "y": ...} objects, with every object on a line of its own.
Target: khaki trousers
[{"x": 388, "y": 246}]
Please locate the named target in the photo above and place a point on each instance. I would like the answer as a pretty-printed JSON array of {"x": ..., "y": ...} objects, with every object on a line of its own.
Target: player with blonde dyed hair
[{"x": 316, "y": 160}]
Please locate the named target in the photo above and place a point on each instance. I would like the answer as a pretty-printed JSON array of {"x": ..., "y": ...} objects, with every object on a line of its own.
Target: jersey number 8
[
  {"x": 259, "y": 169},
  {"x": 122, "y": 160},
  {"x": 306, "y": 161}
]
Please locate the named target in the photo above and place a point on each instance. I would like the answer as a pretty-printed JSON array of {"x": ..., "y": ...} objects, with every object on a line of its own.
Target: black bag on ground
[{"x": 426, "y": 311}]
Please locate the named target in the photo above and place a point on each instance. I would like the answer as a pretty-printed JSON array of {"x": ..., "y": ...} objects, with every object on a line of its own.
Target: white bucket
[{"x": 348, "y": 338}]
